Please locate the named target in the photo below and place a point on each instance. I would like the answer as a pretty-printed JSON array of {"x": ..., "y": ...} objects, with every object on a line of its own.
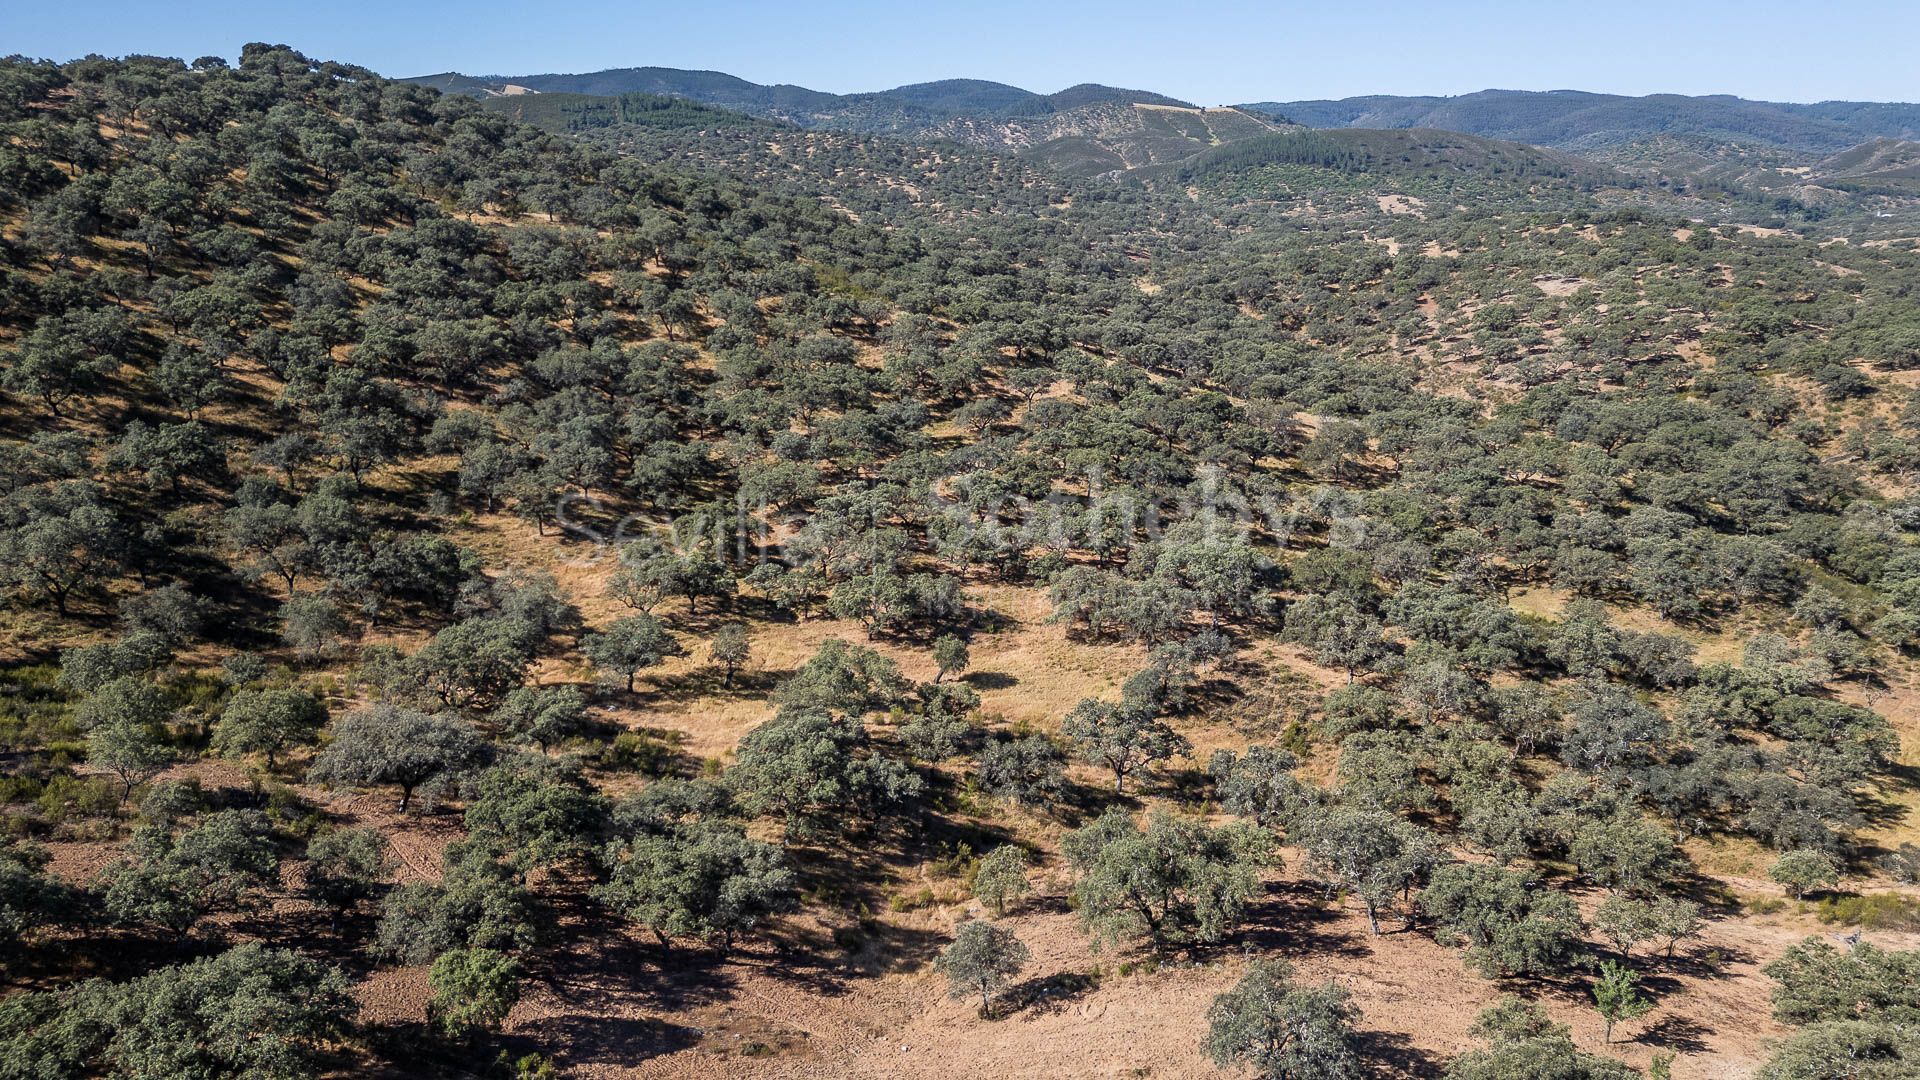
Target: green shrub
[
  {"x": 292, "y": 813},
  {"x": 21, "y": 789},
  {"x": 959, "y": 862},
  {"x": 473, "y": 991},
  {"x": 529, "y": 1067},
  {"x": 1000, "y": 878},
  {"x": 911, "y": 901},
  {"x": 35, "y": 709},
  {"x": 642, "y": 752},
  {"x": 67, "y": 798},
  {"x": 1874, "y": 911},
  {"x": 200, "y": 692}
]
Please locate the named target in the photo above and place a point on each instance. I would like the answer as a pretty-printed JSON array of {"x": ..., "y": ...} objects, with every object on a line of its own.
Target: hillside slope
[
  {"x": 1111, "y": 136},
  {"x": 1881, "y": 165},
  {"x": 666, "y": 588}
]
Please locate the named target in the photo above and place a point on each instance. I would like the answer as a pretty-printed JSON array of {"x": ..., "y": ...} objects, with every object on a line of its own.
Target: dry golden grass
[
  {"x": 1027, "y": 670},
  {"x": 1721, "y": 643}
]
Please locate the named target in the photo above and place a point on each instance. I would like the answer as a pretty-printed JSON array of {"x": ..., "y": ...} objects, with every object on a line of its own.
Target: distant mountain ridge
[
  {"x": 1093, "y": 129},
  {"x": 1586, "y": 123},
  {"x": 903, "y": 109}
]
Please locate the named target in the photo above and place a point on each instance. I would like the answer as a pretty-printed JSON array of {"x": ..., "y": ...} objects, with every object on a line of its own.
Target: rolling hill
[
  {"x": 1082, "y": 130},
  {"x": 903, "y": 109},
  {"x": 1880, "y": 166}
]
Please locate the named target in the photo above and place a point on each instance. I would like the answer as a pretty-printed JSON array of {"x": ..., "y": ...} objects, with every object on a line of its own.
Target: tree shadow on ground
[
  {"x": 1712, "y": 962},
  {"x": 1392, "y": 1054},
  {"x": 1292, "y": 920},
  {"x": 1046, "y": 995},
  {"x": 990, "y": 680},
  {"x": 599, "y": 964},
  {"x": 875, "y": 948},
  {"x": 1040, "y": 903},
  {"x": 1713, "y": 896},
  {"x": 417, "y": 1051},
  {"x": 342, "y": 942},
  {"x": 1080, "y": 802},
  {"x": 52, "y": 960},
  {"x": 853, "y": 871},
  {"x": 598, "y": 1039},
  {"x": 1680, "y": 1034},
  {"x": 700, "y": 683},
  {"x": 1881, "y": 812}
]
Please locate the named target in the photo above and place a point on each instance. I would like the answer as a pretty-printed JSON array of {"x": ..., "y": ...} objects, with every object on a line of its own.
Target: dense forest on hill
[
  {"x": 673, "y": 594},
  {"x": 1395, "y": 151},
  {"x": 579, "y": 112}
]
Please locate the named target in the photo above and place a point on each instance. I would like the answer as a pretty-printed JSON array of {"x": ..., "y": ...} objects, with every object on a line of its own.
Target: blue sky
[{"x": 1210, "y": 53}]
